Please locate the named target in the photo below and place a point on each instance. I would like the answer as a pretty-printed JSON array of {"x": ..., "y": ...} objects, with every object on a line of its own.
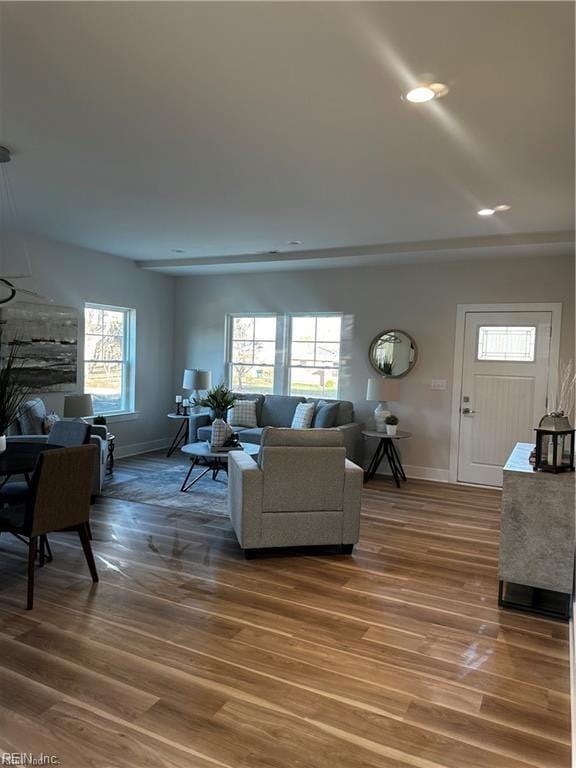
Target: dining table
[{"x": 20, "y": 457}]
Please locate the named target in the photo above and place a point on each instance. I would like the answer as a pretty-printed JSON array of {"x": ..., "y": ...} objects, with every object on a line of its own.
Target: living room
[{"x": 334, "y": 183}]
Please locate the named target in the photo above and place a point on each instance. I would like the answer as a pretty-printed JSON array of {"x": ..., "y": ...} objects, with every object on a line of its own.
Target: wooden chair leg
[
  {"x": 31, "y": 564},
  {"x": 85, "y": 541},
  {"x": 89, "y": 531}
]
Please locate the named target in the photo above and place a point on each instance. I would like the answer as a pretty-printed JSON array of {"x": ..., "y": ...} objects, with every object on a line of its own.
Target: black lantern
[{"x": 554, "y": 444}]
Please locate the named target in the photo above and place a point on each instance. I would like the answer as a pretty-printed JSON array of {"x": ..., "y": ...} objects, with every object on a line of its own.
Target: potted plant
[
  {"x": 391, "y": 424},
  {"x": 12, "y": 392},
  {"x": 219, "y": 399}
]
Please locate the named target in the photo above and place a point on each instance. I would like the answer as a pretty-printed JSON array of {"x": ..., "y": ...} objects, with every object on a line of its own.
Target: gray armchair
[{"x": 302, "y": 491}]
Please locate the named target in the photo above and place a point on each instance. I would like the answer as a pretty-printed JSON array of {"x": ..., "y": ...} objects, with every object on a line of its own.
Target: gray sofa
[
  {"x": 301, "y": 492},
  {"x": 278, "y": 411}
]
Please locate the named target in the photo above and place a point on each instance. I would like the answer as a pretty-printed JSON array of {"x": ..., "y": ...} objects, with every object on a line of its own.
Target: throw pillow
[
  {"x": 303, "y": 416},
  {"x": 30, "y": 416},
  {"x": 49, "y": 422},
  {"x": 326, "y": 415},
  {"x": 243, "y": 414}
]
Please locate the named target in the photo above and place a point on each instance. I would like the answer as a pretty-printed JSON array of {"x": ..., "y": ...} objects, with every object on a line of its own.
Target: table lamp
[
  {"x": 78, "y": 407},
  {"x": 384, "y": 390},
  {"x": 197, "y": 380}
]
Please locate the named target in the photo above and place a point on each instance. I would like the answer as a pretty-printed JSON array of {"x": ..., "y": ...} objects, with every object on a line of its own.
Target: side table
[
  {"x": 110, "y": 455},
  {"x": 182, "y": 434},
  {"x": 386, "y": 448}
]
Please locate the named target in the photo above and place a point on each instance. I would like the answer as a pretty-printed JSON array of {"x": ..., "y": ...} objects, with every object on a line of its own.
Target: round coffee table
[
  {"x": 386, "y": 448},
  {"x": 216, "y": 460}
]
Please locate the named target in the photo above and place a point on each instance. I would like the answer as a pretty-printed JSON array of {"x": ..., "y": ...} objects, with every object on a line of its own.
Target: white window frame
[
  {"x": 288, "y": 352},
  {"x": 282, "y": 365},
  {"x": 128, "y": 354},
  {"x": 228, "y": 362}
]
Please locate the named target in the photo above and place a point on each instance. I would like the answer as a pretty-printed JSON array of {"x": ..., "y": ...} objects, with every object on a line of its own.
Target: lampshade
[
  {"x": 195, "y": 379},
  {"x": 78, "y": 406},
  {"x": 383, "y": 389}
]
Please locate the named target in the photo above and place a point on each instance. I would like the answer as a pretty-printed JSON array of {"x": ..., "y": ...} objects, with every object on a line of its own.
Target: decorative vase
[
  {"x": 221, "y": 431},
  {"x": 380, "y": 415},
  {"x": 2, "y": 443},
  {"x": 391, "y": 429}
]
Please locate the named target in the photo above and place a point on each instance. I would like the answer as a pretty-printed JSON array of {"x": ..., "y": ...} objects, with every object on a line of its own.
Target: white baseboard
[
  {"x": 132, "y": 450},
  {"x": 423, "y": 473}
]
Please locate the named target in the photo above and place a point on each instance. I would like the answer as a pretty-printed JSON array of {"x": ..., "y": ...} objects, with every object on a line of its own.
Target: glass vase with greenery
[
  {"x": 219, "y": 399},
  {"x": 12, "y": 392}
]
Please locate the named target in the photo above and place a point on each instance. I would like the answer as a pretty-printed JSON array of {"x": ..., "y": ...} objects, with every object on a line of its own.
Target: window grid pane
[
  {"x": 512, "y": 343},
  {"x": 252, "y": 378}
]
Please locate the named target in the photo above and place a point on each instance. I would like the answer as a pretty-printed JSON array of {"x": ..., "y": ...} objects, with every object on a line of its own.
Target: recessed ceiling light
[
  {"x": 501, "y": 208},
  {"x": 294, "y": 242},
  {"x": 426, "y": 92}
]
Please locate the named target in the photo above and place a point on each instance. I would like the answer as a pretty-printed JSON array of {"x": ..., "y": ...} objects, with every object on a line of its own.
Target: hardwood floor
[{"x": 186, "y": 655}]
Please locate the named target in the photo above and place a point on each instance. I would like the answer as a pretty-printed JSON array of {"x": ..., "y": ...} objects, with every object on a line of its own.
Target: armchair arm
[
  {"x": 353, "y": 482},
  {"x": 245, "y": 490},
  {"x": 195, "y": 421},
  {"x": 99, "y": 430}
]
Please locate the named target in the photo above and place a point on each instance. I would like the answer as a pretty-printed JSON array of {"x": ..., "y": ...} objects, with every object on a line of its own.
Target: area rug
[{"x": 163, "y": 489}]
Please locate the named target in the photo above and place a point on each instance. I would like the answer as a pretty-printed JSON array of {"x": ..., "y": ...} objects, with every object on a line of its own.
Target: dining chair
[
  {"x": 67, "y": 434},
  {"x": 58, "y": 500}
]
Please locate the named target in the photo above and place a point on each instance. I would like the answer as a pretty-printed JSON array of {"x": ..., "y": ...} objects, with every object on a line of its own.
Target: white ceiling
[{"x": 227, "y": 129}]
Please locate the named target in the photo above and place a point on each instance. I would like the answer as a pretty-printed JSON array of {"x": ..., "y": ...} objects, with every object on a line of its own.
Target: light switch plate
[{"x": 438, "y": 384}]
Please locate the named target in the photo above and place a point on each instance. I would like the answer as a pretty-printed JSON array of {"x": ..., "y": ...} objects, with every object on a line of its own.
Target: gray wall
[
  {"x": 71, "y": 276},
  {"x": 420, "y": 299}
]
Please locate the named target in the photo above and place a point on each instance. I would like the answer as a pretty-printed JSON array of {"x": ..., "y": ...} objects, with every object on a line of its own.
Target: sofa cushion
[
  {"x": 258, "y": 399},
  {"x": 253, "y": 435},
  {"x": 303, "y": 416},
  {"x": 243, "y": 414},
  {"x": 325, "y": 415},
  {"x": 278, "y": 410},
  {"x": 31, "y": 415},
  {"x": 345, "y": 413}
]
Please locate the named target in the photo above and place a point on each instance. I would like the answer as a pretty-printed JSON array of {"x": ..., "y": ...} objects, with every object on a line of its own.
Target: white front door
[{"x": 504, "y": 389}]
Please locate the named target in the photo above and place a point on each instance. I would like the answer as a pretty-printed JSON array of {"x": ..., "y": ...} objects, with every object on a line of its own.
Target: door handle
[{"x": 467, "y": 412}]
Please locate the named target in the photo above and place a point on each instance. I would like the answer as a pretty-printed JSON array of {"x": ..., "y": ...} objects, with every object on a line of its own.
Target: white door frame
[{"x": 461, "y": 311}]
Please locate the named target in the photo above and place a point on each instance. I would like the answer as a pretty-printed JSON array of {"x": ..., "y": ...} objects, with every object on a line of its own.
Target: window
[
  {"x": 512, "y": 343},
  {"x": 314, "y": 357},
  {"x": 285, "y": 354},
  {"x": 252, "y": 353},
  {"x": 109, "y": 357}
]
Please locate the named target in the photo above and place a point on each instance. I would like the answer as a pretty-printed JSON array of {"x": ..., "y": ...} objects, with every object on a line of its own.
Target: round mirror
[{"x": 393, "y": 353}]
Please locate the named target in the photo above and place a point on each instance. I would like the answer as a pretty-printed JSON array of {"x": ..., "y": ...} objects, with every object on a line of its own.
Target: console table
[{"x": 536, "y": 568}]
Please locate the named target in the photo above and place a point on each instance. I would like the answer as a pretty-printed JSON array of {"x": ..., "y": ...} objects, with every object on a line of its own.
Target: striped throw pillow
[
  {"x": 303, "y": 416},
  {"x": 243, "y": 414}
]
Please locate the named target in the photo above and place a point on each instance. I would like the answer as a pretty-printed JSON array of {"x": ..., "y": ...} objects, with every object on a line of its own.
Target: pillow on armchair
[{"x": 31, "y": 415}]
